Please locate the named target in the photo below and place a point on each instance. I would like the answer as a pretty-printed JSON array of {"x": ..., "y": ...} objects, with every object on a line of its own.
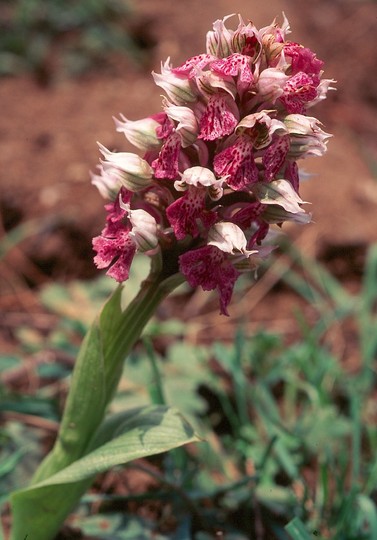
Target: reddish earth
[{"x": 48, "y": 145}]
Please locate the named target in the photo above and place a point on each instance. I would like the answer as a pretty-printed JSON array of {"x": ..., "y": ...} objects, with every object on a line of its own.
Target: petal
[
  {"x": 260, "y": 127},
  {"x": 291, "y": 174},
  {"x": 193, "y": 65},
  {"x": 279, "y": 192},
  {"x": 132, "y": 171},
  {"x": 208, "y": 267},
  {"x": 115, "y": 212},
  {"x": 237, "y": 161},
  {"x": 140, "y": 133},
  {"x": 219, "y": 41},
  {"x": 107, "y": 183},
  {"x": 144, "y": 230},
  {"x": 166, "y": 165},
  {"x": 198, "y": 176},
  {"x": 271, "y": 83},
  {"x": 302, "y": 59},
  {"x": 235, "y": 65},
  {"x": 245, "y": 216},
  {"x": 219, "y": 119},
  {"x": 228, "y": 237},
  {"x": 178, "y": 88},
  {"x": 210, "y": 83},
  {"x": 120, "y": 270},
  {"x": 120, "y": 248},
  {"x": 298, "y": 91},
  {"x": 184, "y": 213},
  {"x": 274, "y": 156},
  {"x": 187, "y": 125}
]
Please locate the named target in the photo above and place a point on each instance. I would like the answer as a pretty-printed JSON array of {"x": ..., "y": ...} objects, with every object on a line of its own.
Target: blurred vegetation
[
  {"x": 65, "y": 37},
  {"x": 289, "y": 430}
]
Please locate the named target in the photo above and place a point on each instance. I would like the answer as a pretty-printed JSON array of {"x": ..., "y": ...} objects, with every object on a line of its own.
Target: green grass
[
  {"x": 64, "y": 37},
  {"x": 290, "y": 431}
]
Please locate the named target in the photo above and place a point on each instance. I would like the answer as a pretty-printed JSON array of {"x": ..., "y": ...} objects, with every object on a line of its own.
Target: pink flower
[
  {"x": 271, "y": 83},
  {"x": 237, "y": 161},
  {"x": 126, "y": 232},
  {"x": 274, "y": 156},
  {"x": 187, "y": 126},
  {"x": 188, "y": 214},
  {"x": 178, "y": 88},
  {"x": 306, "y": 136},
  {"x": 219, "y": 169},
  {"x": 209, "y": 268},
  {"x": 302, "y": 59},
  {"x": 115, "y": 248},
  {"x": 298, "y": 91},
  {"x": 235, "y": 65},
  {"x": 219, "y": 119},
  {"x": 260, "y": 127},
  {"x": 117, "y": 252},
  {"x": 291, "y": 174},
  {"x": 108, "y": 183},
  {"x": 279, "y": 192},
  {"x": 144, "y": 230},
  {"x": 276, "y": 31},
  {"x": 202, "y": 177},
  {"x": 194, "y": 65},
  {"x": 246, "y": 40},
  {"x": 220, "y": 40},
  {"x": 166, "y": 165}
]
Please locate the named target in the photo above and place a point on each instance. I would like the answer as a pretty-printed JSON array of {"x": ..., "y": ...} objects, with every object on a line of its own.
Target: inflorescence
[{"x": 219, "y": 163}]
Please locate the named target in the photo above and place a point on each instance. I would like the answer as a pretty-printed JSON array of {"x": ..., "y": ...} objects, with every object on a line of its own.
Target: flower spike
[{"x": 219, "y": 164}]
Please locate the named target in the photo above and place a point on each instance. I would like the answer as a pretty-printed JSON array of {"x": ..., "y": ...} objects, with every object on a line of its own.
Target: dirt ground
[{"x": 48, "y": 141}]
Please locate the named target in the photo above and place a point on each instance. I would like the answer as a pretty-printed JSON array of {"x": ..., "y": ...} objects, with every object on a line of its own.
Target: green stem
[
  {"x": 77, "y": 430},
  {"x": 95, "y": 378}
]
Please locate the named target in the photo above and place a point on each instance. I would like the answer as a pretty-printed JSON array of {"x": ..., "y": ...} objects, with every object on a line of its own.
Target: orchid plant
[{"x": 218, "y": 172}]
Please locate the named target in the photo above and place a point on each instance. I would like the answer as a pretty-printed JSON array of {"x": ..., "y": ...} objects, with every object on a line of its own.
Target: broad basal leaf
[{"x": 143, "y": 432}]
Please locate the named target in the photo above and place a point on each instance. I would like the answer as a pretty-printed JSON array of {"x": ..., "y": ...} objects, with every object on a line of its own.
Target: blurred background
[{"x": 68, "y": 67}]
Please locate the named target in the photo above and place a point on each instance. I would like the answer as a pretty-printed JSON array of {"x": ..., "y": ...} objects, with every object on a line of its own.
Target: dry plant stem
[
  {"x": 31, "y": 420},
  {"x": 175, "y": 488}
]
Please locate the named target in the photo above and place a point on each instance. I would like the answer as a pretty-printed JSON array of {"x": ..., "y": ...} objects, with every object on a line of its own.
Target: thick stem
[{"x": 114, "y": 334}]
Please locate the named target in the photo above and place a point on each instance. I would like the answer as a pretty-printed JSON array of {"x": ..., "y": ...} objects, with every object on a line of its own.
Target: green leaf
[
  {"x": 94, "y": 381},
  {"x": 297, "y": 530},
  {"x": 142, "y": 433},
  {"x": 367, "y": 514},
  {"x": 278, "y": 499},
  {"x": 9, "y": 362},
  {"x": 8, "y": 463},
  {"x": 91, "y": 386}
]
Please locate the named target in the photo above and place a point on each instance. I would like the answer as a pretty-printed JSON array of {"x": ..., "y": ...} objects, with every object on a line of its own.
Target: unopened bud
[
  {"x": 278, "y": 192},
  {"x": 141, "y": 133},
  {"x": 178, "y": 89},
  {"x": 133, "y": 172},
  {"x": 144, "y": 230}
]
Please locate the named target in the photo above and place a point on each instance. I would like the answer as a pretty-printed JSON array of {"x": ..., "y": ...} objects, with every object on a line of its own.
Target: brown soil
[{"x": 48, "y": 145}]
